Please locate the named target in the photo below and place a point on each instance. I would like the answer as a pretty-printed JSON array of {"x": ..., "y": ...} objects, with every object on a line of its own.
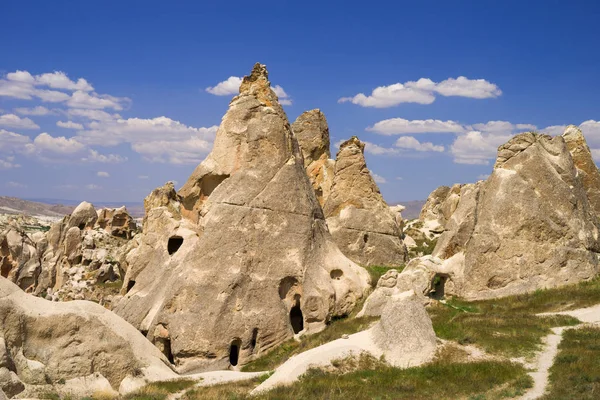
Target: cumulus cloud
[
  {"x": 55, "y": 80},
  {"x": 231, "y": 86},
  {"x": 94, "y": 156},
  {"x": 69, "y": 125},
  {"x": 424, "y": 91},
  {"x": 14, "y": 121},
  {"x": 375, "y": 149},
  {"x": 378, "y": 178},
  {"x": 103, "y": 174},
  {"x": 399, "y": 126},
  {"x": 228, "y": 87},
  {"x": 8, "y": 163},
  {"x": 94, "y": 115},
  {"x": 190, "y": 151},
  {"x": 503, "y": 126},
  {"x": 409, "y": 142},
  {"x": 477, "y": 148},
  {"x": 11, "y": 142},
  {"x": 45, "y": 144},
  {"x": 35, "y": 111},
  {"x": 81, "y": 99}
]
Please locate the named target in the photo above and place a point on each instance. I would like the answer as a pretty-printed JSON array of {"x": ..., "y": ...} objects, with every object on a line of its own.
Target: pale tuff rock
[
  {"x": 405, "y": 332},
  {"x": 403, "y": 337},
  {"x": 312, "y": 132},
  {"x": 20, "y": 253},
  {"x": 240, "y": 259},
  {"x": 81, "y": 253},
  {"x": 117, "y": 222},
  {"x": 44, "y": 342},
  {"x": 584, "y": 162},
  {"x": 358, "y": 217},
  {"x": 528, "y": 226}
]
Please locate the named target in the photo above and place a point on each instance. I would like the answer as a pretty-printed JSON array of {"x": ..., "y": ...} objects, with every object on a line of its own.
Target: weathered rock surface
[
  {"x": 43, "y": 342},
  {"x": 405, "y": 332},
  {"x": 312, "y": 132},
  {"x": 358, "y": 217},
  {"x": 240, "y": 259},
  {"x": 117, "y": 222},
  {"x": 584, "y": 162}
]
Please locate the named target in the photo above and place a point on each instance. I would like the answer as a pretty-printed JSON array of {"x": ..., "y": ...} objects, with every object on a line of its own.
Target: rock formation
[
  {"x": 240, "y": 259},
  {"x": 117, "y": 222},
  {"x": 530, "y": 225},
  {"x": 358, "y": 217},
  {"x": 43, "y": 342},
  {"x": 439, "y": 207},
  {"x": 81, "y": 254},
  {"x": 312, "y": 132},
  {"x": 584, "y": 162}
]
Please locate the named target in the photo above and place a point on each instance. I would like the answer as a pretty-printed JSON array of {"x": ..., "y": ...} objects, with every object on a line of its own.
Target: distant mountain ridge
[
  {"x": 413, "y": 208},
  {"x": 59, "y": 207}
]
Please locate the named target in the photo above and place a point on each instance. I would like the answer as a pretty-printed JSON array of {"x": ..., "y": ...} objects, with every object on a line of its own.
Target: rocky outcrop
[
  {"x": 85, "y": 256},
  {"x": 20, "y": 255},
  {"x": 312, "y": 132},
  {"x": 43, "y": 343},
  {"x": 240, "y": 259},
  {"x": 117, "y": 222},
  {"x": 358, "y": 217},
  {"x": 584, "y": 162}
]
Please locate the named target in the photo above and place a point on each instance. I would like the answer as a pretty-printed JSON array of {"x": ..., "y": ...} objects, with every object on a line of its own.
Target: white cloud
[
  {"x": 14, "y": 121},
  {"x": 554, "y": 130},
  {"x": 477, "y": 148},
  {"x": 103, "y": 174},
  {"x": 92, "y": 186},
  {"x": 17, "y": 185},
  {"x": 69, "y": 125},
  {"x": 190, "y": 151},
  {"x": 95, "y": 156},
  {"x": 231, "y": 86},
  {"x": 284, "y": 98},
  {"x": 389, "y": 96},
  {"x": 12, "y": 142},
  {"x": 375, "y": 149},
  {"x": 8, "y": 163},
  {"x": 37, "y": 111},
  {"x": 51, "y": 96},
  {"x": 399, "y": 126},
  {"x": 465, "y": 87},
  {"x": 502, "y": 126},
  {"x": 378, "y": 179},
  {"x": 81, "y": 99},
  {"x": 409, "y": 142},
  {"x": 423, "y": 91},
  {"x": 226, "y": 88},
  {"x": 60, "y": 80},
  {"x": 94, "y": 115},
  {"x": 44, "y": 144}
]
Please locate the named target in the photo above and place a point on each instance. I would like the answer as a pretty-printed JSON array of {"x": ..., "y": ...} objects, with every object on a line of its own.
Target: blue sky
[{"x": 125, "y": 106}]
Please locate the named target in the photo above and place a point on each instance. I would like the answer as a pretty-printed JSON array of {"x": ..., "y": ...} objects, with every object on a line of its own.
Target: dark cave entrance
[
  {"x": 438, "y": 287},
  {"x": 254, "y": 339},
  {"x": 174, "y": 244},
  {"x": 296, "y": 317},
  {"x": 234, "y": 352},
  {"x": 167, "y": 350},
  {"x": 130, "y": 285}
]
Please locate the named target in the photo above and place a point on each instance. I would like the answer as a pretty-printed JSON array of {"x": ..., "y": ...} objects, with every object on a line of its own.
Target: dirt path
[{"x": 545, "y": 358}]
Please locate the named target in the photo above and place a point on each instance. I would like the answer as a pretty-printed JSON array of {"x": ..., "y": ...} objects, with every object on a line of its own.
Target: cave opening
[
  {"x": 174, "y": 244},
  {"x": 234, "y": 352},
  {"x": 254, "y": 339},
  {"x": 438, "y": 287},
  {"x": 296, "y": 317}
]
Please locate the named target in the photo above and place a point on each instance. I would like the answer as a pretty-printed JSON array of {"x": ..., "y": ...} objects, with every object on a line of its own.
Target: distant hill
[{"x": 59, "y": 207}]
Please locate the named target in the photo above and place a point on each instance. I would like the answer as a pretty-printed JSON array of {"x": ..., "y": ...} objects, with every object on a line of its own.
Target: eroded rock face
[
  {"x": 43, "y": 342},
  {"x": 117, "y": 222},
  {"x": 584, "y": 162},
  {"x": 312, "y": 132},
  {"x": 528, "y": 226},
  {"x": 360, "y": 221},
  {"x": 240, "y": 259}
]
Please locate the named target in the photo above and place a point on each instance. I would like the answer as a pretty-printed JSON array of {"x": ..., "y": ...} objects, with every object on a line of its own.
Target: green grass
[
  {"x": 439, "y": 380},
  {"x": 377, "y": 271},
  {"x": 494, "y": 328},
  {"x": 334, "y": 331},
  {"x": 576, "y": 370},
  {"x": 160, "y": 390}
]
